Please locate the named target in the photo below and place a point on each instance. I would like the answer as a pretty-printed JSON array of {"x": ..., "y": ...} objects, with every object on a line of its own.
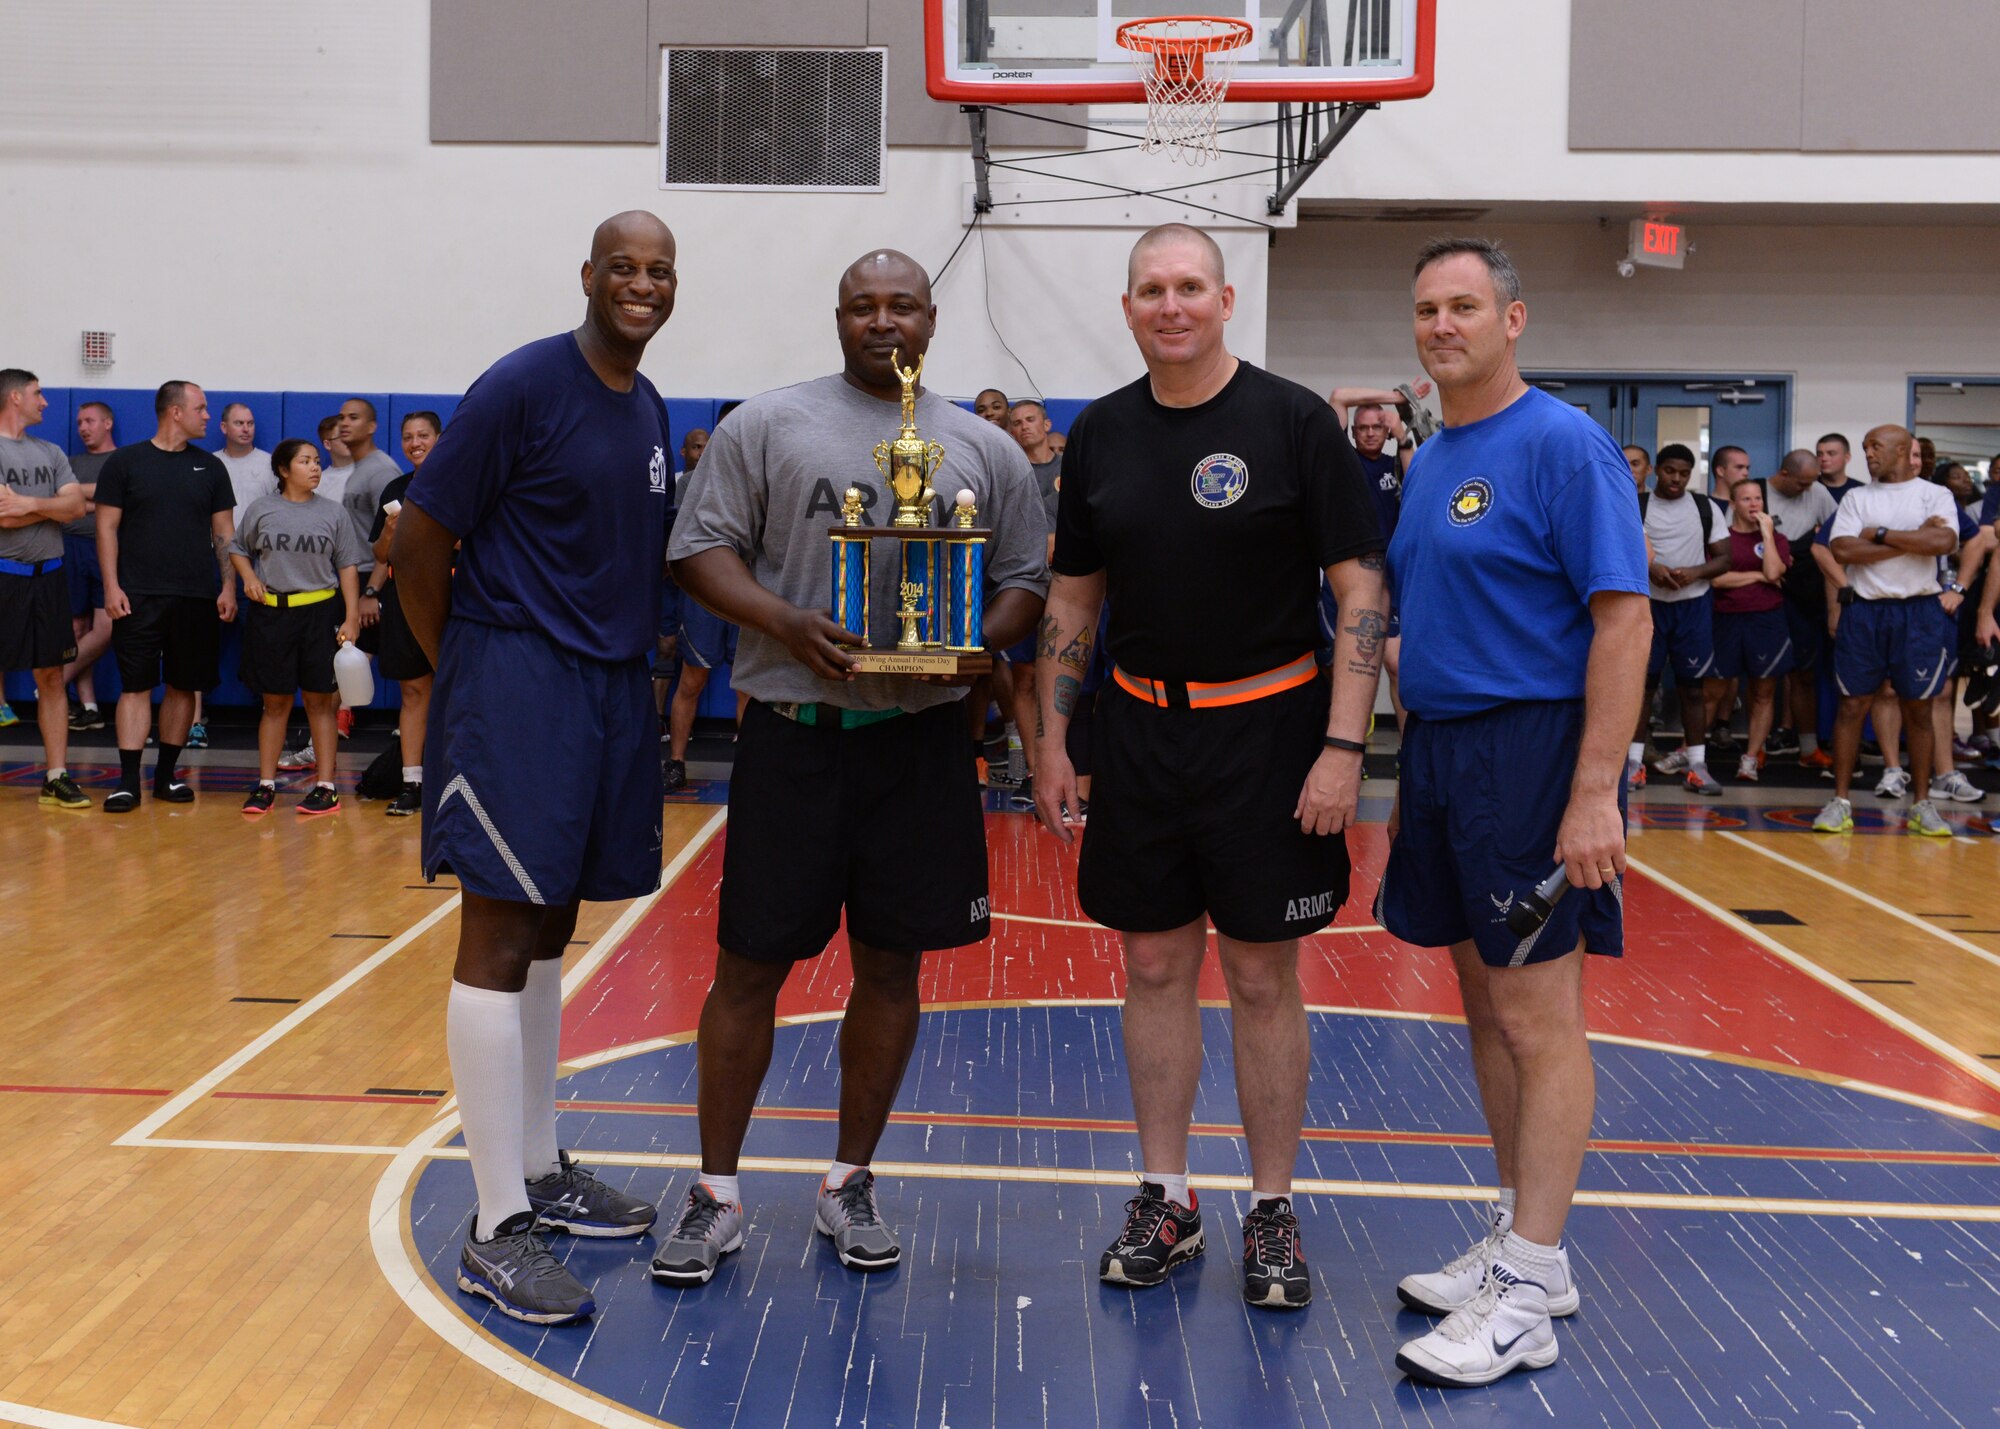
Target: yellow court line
[
  {"x": 1965, "y": 1061},
  {"x": 1943, "y": 935}
]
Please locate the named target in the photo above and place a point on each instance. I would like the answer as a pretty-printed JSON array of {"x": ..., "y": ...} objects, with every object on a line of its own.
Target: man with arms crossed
[
  {"x": 1521, "y": 574},
  {"x": 554, "y": 476},
  {"x": 1207, "y": 500},
  {"x": 851, "y": 793}
]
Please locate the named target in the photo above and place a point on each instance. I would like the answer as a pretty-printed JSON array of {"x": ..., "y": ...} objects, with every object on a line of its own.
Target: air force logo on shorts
[
  {"x": 656, "y": 470},
  {"x": 1472, "y": 500},
  {"x": 1219, "y": 480}
]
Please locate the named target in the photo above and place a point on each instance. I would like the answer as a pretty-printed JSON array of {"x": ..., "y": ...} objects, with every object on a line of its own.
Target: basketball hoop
[{"x": 1186, "y": 78}]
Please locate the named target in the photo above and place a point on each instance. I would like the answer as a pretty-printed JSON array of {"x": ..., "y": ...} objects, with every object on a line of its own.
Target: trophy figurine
[{"x": 941, "y": 570}]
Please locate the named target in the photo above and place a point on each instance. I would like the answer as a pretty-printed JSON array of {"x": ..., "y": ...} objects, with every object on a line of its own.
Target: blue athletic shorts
[
  {"x": 1910, "y": 643},
  {"x": 670, "y": 610},
  {"x": 707, "y": 640},
  {"x": 1684, "y": 632},
  {"x": 1020, "y": 653},
  {"x": 1482, "y": 801},
  {"x": 86, "y": 577},
  {"x": 541, "y": 770},
  {"x": 1807, "y": 627},
  {"x": 1752, "y": 645}
]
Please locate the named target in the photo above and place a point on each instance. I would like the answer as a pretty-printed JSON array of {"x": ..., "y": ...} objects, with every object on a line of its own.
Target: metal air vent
[{"x": 792, "y": 119}]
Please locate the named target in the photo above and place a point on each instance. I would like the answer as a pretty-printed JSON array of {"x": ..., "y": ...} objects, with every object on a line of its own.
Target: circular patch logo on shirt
[
  {"x": 1471, "y": 501},
  {"x": 1220, "y": 480}
]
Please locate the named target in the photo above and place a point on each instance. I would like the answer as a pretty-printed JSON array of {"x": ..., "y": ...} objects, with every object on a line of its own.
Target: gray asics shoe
[
  {"x": 1836, "y": 818},
  {"x": 573, "y": 1200},
  {"x": 1894, "y": 784},
  {"x": 516, "y": 1271},
  {"x": 709, "y": 1229},
  {"x": 847, "y": 1213},
  {"x": 1699, "y": 781},
  {"x": 1924, "y": 819},
  {"x": 1675, "y": 763},
  {"x": 1956, "y": 787}
]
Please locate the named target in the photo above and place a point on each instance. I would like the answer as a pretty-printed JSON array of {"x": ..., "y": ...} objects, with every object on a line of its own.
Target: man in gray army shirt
[
  {"x": 38, "y": 492},
  {"x": 850, "y": 793}
]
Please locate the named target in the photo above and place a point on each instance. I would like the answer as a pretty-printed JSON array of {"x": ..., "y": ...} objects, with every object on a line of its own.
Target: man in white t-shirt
[
  {"x": 1687, "y": 544},
  {"x": 1799, "y": 506},
  {"x": 1889, "y": 535},
  {"x": 248, "y": 465}
]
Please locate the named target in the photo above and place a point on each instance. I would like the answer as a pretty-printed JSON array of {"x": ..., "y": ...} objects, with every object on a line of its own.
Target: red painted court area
[{"x": 1686, "y": 979}]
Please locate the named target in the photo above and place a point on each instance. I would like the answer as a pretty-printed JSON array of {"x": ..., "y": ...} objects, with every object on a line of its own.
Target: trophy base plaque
[{"x": 969, "y": 663}]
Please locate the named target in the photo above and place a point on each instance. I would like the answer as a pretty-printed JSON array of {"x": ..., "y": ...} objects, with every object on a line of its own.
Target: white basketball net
[{"x": 1184, "y": 63}]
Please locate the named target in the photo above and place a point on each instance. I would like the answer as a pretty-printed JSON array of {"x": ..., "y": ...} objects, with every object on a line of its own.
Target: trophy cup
[{"x": 941, "y": 570}]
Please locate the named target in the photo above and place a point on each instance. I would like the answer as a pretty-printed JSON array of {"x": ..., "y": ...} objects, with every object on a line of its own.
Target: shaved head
[
  {"x": 621, "y": 229},
  {"x": 1174, "y": 233},
  {"x": 886, "y": 268},
  {"x": 1800, "y": 463}
]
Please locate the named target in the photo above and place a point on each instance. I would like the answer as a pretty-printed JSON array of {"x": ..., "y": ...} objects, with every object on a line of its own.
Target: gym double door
[{"x": 1701, "y": 412}]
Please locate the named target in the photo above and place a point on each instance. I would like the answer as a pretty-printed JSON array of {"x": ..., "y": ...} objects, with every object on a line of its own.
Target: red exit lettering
[{"x": 1663, "y": 238}]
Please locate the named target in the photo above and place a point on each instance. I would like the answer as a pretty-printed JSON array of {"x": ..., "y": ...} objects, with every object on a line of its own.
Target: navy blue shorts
[
  {"x": 1482, "y": 801},
  {"x": 86, "y": 577},
  {"x": 1020, "y": 653},
  {"x": 1807, "y": 627},
  {"x": 1910, "y": 643},
  {"x": 707, "y": 640},
  {"x": 670, "y": 610},
  {"x": 1752, "y": 644},
  {"x": 541, "y": 770},
  {"x": 1683, "y": 632}
]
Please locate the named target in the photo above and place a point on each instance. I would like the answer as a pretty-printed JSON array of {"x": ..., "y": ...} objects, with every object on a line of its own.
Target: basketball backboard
[{"x": 1066, "y": 51}]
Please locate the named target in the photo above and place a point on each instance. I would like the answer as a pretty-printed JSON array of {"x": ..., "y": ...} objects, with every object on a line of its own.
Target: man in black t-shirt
[
  {"x": 164, "y": 523},
  {"x": 1206, "y": 500}
]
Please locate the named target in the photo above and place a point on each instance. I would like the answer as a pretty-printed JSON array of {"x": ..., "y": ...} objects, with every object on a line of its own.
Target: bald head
[
  {"x": 1174, "y": 235},
  {"x": 1887, "y": 450},
  {"x": 632, "y": 228},
  {"x": 886, "y": 269},
  {"x": 1799, "y": 470}
]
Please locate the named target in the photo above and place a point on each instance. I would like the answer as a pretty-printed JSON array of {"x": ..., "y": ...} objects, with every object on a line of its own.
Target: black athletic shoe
[
  {"x": 259, "y": 801},
  {"x": 1722, "y": 738},
  {"x": 1023, "y": 796},
  {"x": 173, "y": 792},
  {"x": 1274, "y": 1266},
  {"x": 1782, "y": 741},
  {"x": 84, "y": 717},
  {"x": 121, "y": 801},
  {"x": 674, "y": 774},
  {"x": 1159, "y": 1234},
  {"x": 321, "y": 800},
  {"x": 60, "y": 792},
  {"x": 409, "y": 800}
]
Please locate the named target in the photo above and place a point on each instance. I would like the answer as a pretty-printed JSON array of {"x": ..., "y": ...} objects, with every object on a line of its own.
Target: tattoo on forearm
[
  {"x": 1065, "y": 694},
  {"x": 1368, "y": 630},
  {"x": 1373, "y": 561},
  {"x": 1045, "y": 638},
  {"x": 1076, "y": 654},
  {"x": 1041, "y": 728}
]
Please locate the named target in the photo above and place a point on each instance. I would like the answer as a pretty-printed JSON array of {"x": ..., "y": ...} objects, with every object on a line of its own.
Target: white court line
[
  {"x": 1962, "y": 1060},
  {"x": 1944, "y": 935},
  {"x": 1099, "y": 927},
  {"x": 14, "y": 1413},
  {"x": 202, "y": 1086}
]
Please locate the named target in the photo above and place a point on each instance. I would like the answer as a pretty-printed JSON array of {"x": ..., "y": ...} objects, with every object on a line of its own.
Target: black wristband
[{"x": 1352, "y": 746}]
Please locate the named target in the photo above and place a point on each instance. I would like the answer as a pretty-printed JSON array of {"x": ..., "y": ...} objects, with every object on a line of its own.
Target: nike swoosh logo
[{"x": 1500, "y": 1349}]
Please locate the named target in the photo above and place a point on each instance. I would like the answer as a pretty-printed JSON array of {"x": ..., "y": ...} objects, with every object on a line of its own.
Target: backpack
[
  {"x": 1704, "y": 508},
  {"x": 383, "y": 778}
]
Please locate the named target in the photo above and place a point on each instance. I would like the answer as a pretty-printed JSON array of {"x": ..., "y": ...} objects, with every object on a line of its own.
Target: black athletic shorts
[
  {"x": 397, "y": 653},
  {"x": 35, "y": 633},
  {"x": 883, "y": 821},
  {"x": 287, "y": 648},
  {"x": 177, "y": 638},
  {"x": 1191, "y": 813}
]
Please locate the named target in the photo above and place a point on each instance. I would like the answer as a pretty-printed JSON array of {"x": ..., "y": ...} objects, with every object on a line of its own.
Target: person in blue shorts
[
  {"x": 1520, "y": 570},
  {"x": 553, "y": 482}
]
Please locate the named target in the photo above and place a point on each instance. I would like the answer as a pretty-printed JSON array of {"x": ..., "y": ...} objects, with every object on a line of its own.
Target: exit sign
[{"x": 1658, "y": 245}]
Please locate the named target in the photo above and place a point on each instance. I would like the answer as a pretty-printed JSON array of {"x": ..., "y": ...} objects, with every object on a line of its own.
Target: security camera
[{"x": 1627, "y": 268}]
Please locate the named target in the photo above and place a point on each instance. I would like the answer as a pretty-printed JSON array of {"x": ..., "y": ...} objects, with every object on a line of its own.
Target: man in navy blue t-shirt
[
  {"x": 1520, "y": 571},
  {"x": 554, "y": 486}
]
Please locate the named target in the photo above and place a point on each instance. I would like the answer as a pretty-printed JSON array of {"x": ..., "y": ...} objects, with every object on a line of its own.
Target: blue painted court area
[{"x": 1691, "y": 1314}]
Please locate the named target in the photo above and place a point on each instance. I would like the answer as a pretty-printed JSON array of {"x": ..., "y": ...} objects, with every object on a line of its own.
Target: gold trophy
[{"x": 941, "y": 569}]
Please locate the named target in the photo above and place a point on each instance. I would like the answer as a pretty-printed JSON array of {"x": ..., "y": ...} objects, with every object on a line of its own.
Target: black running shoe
[
  {"x": 1023, "y": 796},
  {"x": 674, "y": 775},
  {"x": 409, "y": 800},
  {"x": 321, "y": 800},
  {"x": 1782, "y": 742},
  {"x": 172, "y": 792},
  {"x": 1159, "y": 1234},
  {"x": 60, "y": 792},
  {"x": 1274, "y": 1265},
  {"x": 259, "y": 801}
]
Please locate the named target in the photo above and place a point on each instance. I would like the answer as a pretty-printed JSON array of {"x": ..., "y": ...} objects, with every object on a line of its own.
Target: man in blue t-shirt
[
  {"x": 1520, "y": 572},
  {"x": 553, "y": 484}
]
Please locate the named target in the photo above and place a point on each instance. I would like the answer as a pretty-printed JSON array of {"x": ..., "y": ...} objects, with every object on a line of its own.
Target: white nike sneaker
[
  {"x": 1506, "y": 1327},
  {"x": 1455, "y": 1286}
]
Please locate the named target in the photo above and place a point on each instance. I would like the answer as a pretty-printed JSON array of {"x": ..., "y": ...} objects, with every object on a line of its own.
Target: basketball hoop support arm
[
  {"x": 982, "y": 192},
  {"x": 1295, "y": 166}
]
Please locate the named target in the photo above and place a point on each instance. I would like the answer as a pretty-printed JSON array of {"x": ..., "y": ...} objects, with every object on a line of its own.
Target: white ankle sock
[
  {"x": 723, "y": 1188},
  {"x": 1503, "y": 1210},
  {"x": 56, "y": 771},
  {"x": 1635, "y": 753},
  {"x": 413, "y": 773},
  {"x": 1258, "y": 1197},
  {"x": 1697, "y": 754},
  {"x": 1534, "y": 1262},
  {"x": 837, "y": 1174},
  {"x": 541, "y": 1031},
  {"x": 1175, "y": 1187},
  {"x": 483, "y": 1033}
]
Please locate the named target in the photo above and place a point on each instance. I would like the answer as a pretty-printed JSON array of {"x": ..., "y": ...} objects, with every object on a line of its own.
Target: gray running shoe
[
  {"x": 1699, "y": 781},
  {"x": 1836, "y": 818},
  {"x": 573, "y": 1200},
  {"x": 1956, "y": 787},
  {"x": 848, "y": 1214},
  {"x": 1924, "y": 820},
  {"x": 709, "y": 1229},
  {"x": 517, "y": 1272},
  {"x": 1675, "y": 763},
  {"x": 1893, "y": 784}
]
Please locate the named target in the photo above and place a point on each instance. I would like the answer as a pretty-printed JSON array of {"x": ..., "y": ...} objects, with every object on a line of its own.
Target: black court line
[
  {"x": 1944, "y": 915},
  {"x": 282, "y": 1001},
  {"x": 433, "y": 887},
  {"x": 1883, "y": 981},
  {"x": 402, "y": 1092},
  {"x": 1979, "y": 930},
  {"x": 382, "y": 937},
  {"x": 577, "y": 943},
  {"x": 1769, "y": 917}
]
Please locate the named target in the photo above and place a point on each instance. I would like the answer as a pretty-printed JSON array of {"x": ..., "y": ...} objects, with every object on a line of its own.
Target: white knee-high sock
[
  {"x": 541, "y": 1031},
  {"x": 483, "y": 1033}
]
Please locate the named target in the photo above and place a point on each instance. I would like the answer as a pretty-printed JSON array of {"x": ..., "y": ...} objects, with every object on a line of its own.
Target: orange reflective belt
[{"x": 1203, "y": 696}]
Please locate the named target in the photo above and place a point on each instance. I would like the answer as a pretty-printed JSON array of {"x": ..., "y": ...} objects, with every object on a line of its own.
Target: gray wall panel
[
  {"x": 1693, "y": 74},
  {"x": 527, "y": 71},
  {"x": 829, "y": 23},
  {"x": 1935, "y": 95}
]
